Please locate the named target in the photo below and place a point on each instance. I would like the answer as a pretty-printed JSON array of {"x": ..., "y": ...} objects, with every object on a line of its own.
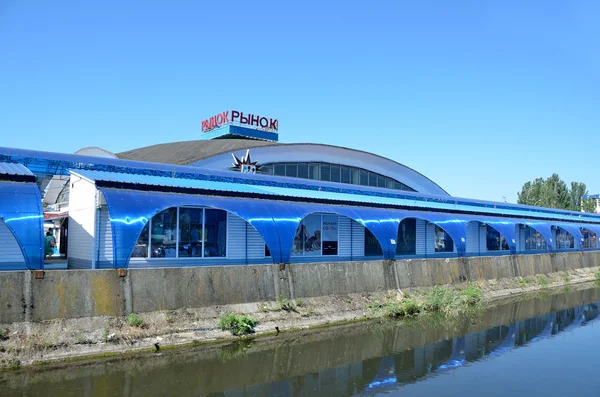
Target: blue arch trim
[
  {"x": 575, "y": 231},
  {"x": 594, "y": 229},
  {"x": 277, "y": 221},
  {"x": 454, "y": 225},
  {"x": 21, "y": 211},
  {"x": 288, "y": 216},
  {"x": 544, "y": 228},
  {"x": 131, "y": 210},
  {"x": 505, "y": 227}
]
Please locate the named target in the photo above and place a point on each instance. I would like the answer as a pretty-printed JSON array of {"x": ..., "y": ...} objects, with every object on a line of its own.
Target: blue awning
[{"x": 358, "y": 197}]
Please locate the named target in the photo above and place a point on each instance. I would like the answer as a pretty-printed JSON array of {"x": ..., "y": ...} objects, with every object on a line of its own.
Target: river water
[{"x": 547, "y": 345}]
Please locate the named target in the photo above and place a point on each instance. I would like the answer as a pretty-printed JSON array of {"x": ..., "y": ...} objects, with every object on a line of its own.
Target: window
[
  {"x": 141, "y": 247},
  {"x": 494, "y": 240},
  {"x": 406, "y": 244},
  {"x": 303, "y": 170},
  {"x": 316, "y": 235},
  {"x": 345, "y": 175},
  {"x": 372, "y": 247},
  {"x": 279, "y": 169},
  {"x": 291, "y": 169},
  {"x": 364, "y": 178},
  {"x": 333, "y": 173},
  {"x": 313, "y": 171},
  {"x": 354, "y": 176},
  {"x": 267, "y": 170},
  {"x": 534, "y": 240},
  {"x": 443, "y": 241},
  {"x": 190, "y": 231},
  {"x": 372, "y": 179},
  {"x": 325, "y": 174},
  {"x": 589, "y": 239},
  {"x": 215, "y": 233},
  {"x": 184, "y": 233},
  {"x": 564, "y": 239},
  {"x": 163, "y": 236}
]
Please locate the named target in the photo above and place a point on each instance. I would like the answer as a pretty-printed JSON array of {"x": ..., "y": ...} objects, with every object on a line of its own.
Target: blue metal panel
[
  {"x": 14, "y": 169},
  {"x": 131, "y": 210},
  {"x": 276, "y": 222},
  {"x": 58, "y": 163},
  {"x": 21, "y": 211},
  {"x": 329, "y": 191}
]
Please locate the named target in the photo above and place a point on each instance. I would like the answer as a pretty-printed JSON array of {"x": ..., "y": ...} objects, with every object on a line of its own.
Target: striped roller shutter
[
  {"x": 256, "y": 244},
  {"x": 236, "y": 238},
  {"x": 483, "y": 239},
  {"x": 430, "y": 239},
  {"x": 358, "y": 239},
  {"x": 473, "y": 234},
  {"x": 11, "y": 257},
  {"x": 344, "y": 236},
  {"x": 105, "y": 244},
  {"x": 420, "y": 235}
]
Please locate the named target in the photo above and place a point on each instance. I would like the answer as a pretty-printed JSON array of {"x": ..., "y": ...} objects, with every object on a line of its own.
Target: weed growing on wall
[
  {"x": 443, "y": 300},
  {"x": 134, "y": 320},
  {"x": 236, "y": 324}
]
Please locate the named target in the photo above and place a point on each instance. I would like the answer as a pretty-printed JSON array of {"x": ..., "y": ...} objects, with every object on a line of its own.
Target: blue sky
[{"x": 479, "y": 96}]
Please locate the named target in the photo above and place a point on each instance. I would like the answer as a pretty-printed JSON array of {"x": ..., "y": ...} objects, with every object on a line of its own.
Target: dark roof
[{"x": 188, "y": 152}]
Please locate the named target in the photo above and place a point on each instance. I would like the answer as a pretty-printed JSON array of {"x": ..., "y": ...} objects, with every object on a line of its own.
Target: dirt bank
[{"x": 25, "y": 344}]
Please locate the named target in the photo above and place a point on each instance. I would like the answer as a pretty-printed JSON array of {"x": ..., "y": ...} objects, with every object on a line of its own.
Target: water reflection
[
  {"x": 448, "y": 354},
  {"x": 366, "y": 359}
]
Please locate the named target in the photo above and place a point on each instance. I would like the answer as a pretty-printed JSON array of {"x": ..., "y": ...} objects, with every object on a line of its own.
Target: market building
[{"x": 239, "y": 196}]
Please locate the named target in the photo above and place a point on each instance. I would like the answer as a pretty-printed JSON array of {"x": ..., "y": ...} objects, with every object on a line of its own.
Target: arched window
[{"x": 184, "y": 233}]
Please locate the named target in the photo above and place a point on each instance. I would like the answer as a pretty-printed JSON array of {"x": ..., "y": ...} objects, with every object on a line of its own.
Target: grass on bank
[
  {"x": 283, "y": 304},
  {"x": 238, "y": 325},
  {"x": 443, "y": 300}
]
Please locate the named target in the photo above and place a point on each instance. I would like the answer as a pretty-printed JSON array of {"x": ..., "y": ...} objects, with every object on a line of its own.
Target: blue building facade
[{"x": 234, "y": 201}]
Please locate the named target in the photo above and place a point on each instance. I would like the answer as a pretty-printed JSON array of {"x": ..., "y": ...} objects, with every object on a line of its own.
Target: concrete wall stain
[{"x": 83, "y": 293}]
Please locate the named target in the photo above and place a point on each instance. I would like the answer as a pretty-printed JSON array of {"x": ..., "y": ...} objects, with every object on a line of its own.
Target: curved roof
[
  {"x": 187, "y": 152},
  {"x": 215, "y": 154}
]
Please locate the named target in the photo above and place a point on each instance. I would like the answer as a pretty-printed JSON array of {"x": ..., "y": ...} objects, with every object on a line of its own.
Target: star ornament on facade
[{"x": 245, "y": 164}]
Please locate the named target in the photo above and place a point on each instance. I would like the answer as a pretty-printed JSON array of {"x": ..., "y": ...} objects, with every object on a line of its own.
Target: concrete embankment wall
[{"x": 86, "y": 293}]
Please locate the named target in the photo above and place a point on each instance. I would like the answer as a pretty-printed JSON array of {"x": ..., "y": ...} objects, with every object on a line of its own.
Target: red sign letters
[{"x": 233, "y": 116}]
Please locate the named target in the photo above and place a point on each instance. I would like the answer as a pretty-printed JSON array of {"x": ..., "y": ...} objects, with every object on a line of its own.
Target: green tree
[
  {"x": 531, "y": 192},
  {"x": 553, "y": 192},
  {"x": 589, "y": 205},
  {"x": 578, "y": 189}
]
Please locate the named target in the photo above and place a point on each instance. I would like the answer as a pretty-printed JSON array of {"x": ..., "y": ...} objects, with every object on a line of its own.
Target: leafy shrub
[
  {"x": 134, "y": 320},
  {"x": 237, "y": 325}
]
